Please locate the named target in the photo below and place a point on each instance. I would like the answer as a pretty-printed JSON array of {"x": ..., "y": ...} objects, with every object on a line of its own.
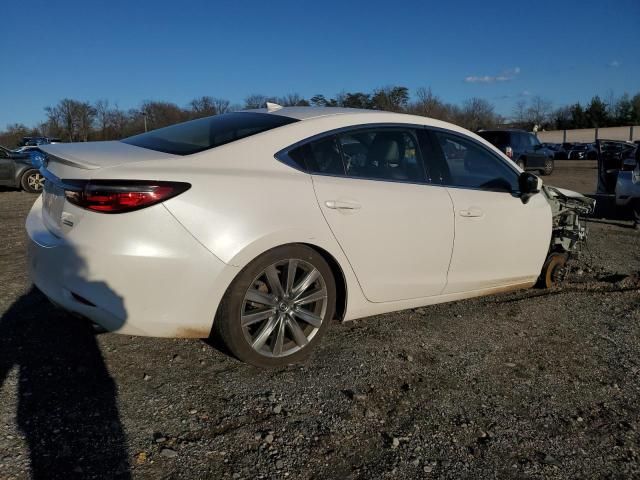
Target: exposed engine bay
[{"x": 569, "y": 231}]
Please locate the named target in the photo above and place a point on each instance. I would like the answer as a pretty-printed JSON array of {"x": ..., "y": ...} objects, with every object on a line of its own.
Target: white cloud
[
  {"x": 614, "y": 63},
  {"x": 522, "y": 94},
  {"x": 504, "y": 76}
]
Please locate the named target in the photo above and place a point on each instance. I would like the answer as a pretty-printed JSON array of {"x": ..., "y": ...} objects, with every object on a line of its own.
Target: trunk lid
[
  {"x": 78, "y": 160},
  {"x": 81, "y": 161}
]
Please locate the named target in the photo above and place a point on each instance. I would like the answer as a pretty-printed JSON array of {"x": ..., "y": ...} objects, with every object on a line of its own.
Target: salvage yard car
[
  {"x": 17, "y": 171},
  {"x": 522, "y": 147},
  {"x": 260, "y": 227}
]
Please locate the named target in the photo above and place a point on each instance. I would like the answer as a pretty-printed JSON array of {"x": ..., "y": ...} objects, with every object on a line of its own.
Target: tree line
[{"x": 80, "y": 121}]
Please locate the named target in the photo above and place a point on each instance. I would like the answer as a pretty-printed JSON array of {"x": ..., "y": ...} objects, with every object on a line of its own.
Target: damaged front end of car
[{"x": 569, "y": 231}]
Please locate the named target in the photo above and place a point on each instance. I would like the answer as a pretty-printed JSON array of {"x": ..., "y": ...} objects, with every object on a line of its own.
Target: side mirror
[{"x": 529, "y": 185}]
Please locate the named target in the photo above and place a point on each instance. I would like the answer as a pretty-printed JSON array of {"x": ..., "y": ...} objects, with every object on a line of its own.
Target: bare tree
[
  {"x": 85, "y": 116},
  {"x": 221, "y": 106},
  {"x": 256, "y": 100},
  {"x": 539, "y": 110},
  {"x": 74, "y": 118},
  {"x": 292, "y": 100},
  {"x": 520, "y": 116},
  {"x": 429, "y": 105},
  {"x": 103, "y": 114},
  {"x": 12, "y": 135},
  {"x": 203, "y": 107},
  {"x": 478, "y": 113}
]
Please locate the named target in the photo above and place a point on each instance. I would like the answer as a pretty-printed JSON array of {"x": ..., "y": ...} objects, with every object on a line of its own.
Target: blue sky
[{"x": 129, "y": 51}]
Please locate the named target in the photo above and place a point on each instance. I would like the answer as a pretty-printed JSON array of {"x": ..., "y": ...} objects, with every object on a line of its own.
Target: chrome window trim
[{"x": 283, "y": 155}]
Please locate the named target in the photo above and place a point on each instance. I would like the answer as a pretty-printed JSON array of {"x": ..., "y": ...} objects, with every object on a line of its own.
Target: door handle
[
  {"x": 342, "y": 205},
  {"x": 471, "y": 212}
]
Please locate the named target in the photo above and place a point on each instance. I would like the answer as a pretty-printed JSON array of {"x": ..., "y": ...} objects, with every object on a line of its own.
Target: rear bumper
[{"x": 139, "y": 273}]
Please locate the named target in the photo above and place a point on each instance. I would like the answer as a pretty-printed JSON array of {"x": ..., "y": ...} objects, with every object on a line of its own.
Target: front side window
[
  {"x": 206, "y": 133},
  {"x": 386, "y": 154},
  {"x": 468, "y": 164}
]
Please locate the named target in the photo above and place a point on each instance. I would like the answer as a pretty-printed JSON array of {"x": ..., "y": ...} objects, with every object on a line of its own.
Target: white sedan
[{"x": 262, "y": 226}]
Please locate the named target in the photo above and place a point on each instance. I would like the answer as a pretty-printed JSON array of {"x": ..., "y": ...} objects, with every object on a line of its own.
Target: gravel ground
[{"x": 532, "y": 384}]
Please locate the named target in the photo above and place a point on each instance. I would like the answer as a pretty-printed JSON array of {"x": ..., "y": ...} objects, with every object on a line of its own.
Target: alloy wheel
[
  {"x": 284, "y": 308},
  {"x": 35, "y": 181}
]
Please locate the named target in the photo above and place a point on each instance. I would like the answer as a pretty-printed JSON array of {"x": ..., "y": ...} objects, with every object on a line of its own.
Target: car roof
[
  {"x": 307, "y": 113},
  {"x": 361, "y": 117},
  {"x": 356, "y": 116}
]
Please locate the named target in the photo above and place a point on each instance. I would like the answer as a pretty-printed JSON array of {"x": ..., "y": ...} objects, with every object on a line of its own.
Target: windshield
[{"x": 206, "y": 133}]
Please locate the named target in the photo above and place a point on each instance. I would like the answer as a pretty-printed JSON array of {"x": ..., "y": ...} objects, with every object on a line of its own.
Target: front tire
[
  {"x": 278, "y": 307},
  {"x": 32, "y": 181},
  {"x": 548, "y": 167},
  {"x": 553, "y": 270}
]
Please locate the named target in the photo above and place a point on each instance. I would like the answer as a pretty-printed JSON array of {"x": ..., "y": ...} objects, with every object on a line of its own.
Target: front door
[{"x": 499, "y": 239}]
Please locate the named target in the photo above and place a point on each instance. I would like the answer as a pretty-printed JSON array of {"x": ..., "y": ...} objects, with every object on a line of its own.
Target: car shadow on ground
[{"x": 67, "y": 401}]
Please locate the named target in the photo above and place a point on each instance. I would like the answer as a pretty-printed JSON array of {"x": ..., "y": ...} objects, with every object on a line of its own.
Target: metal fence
[{"x": 587, "y": 135}]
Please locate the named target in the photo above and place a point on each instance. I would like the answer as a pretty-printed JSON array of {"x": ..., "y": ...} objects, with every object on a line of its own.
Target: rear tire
[
  {"x": 32, "y": 181},
  {"x": 266, "y": 319}
]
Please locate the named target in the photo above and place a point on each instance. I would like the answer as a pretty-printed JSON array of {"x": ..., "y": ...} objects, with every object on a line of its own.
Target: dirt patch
[{"x": 529, "y": 384}]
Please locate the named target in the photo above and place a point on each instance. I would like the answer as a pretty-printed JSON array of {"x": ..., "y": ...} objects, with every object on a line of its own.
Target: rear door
[
  {"x": 499, "y": 240},
  {"x": 395, "y": 229}
]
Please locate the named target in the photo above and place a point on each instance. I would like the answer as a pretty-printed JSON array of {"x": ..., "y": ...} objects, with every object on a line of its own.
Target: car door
[
  {"x": 499, "y": 238},
  {"x": 7, "y": 168},
  {"x": 395, "y": 229}
]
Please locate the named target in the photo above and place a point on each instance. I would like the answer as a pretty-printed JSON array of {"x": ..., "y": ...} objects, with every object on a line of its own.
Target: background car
[
  {"x": 260, "y": 227},
  {"x": 611, "y": 161},
  {"x": 523, "y": 148},
  {"x": 35, "y": 141},
  {"x": 627, "y": 183},
  {"x": 578, "y": 151},
  {"x": 17, "y": 171}
]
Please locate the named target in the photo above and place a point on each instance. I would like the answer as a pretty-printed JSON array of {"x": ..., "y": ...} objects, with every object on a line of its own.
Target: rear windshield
[
  {"x": 496, "y": 138},
  {"x": 205, "y": 133}
]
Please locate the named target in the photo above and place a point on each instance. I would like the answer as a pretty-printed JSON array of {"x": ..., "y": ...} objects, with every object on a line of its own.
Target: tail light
[
  {"x": 119, "y": 196},
  {"x": 509, "y": 152}
]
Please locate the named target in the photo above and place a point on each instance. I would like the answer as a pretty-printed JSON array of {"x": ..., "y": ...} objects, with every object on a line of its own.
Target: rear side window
[
  {"x": 385, "y": 154},
  {"x": 206, "y": 133},
  {"x": 322, "y": 156},
  {"x": 470, "y": 165}
]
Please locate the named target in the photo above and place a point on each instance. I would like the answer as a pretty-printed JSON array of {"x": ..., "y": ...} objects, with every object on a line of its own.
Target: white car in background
[{"x": 262, "y": 226}]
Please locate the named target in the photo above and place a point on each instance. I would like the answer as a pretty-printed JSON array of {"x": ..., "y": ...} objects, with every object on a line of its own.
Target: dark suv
[{"x": 522, "y": 147}]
